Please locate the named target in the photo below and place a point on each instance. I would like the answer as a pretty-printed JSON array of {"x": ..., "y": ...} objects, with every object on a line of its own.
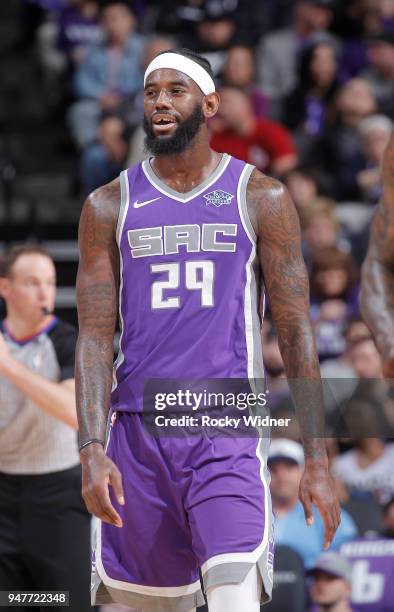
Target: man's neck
[
  {"x": 115, "y": 45},
  {"x": 340, "y": 606},
  {"x": 185, "y": 171},
  {"x": 302, "y": 29},
  {"x": 284, "y": 506},
  {"x": 247, "y": 127},
  {"x": 370, "y": 449},
  {"x": 20, "y": 328}
]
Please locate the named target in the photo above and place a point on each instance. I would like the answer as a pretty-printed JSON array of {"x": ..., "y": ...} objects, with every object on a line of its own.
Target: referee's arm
[{"x": 55, "y": 398}]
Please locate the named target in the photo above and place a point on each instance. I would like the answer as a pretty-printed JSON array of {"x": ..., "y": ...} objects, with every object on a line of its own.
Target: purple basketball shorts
[{"x": 192, "y": 503}]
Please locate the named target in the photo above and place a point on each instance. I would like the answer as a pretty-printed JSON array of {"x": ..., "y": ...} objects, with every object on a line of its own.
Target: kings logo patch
[{"x": 218, "y": 198}]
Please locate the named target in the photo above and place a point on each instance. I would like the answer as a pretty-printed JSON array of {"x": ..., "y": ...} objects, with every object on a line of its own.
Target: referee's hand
[{"x": 98, "y": 471}]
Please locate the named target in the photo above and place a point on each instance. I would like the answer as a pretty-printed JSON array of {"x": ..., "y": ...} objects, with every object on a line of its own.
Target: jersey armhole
[
  {"x": 242, "y": 205},
  {"x": 124, "y": 204}
]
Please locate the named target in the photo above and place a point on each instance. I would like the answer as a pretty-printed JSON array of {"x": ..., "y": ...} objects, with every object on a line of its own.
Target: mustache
[{"x": 180, "y": 140}]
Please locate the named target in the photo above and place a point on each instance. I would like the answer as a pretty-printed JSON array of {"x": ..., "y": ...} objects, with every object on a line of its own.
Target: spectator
[
  {"x": 279, "y": 51},
  {"x": 364, "y": 356},
  {"x": 264, "y": 143},
  {"x": 334, "y": 297},
  {"x": 44, "y": 526},
  {"x": 343, "y": 375},
  {"x": 274, "y": 367},
  {"x": 367, "y": 468},
  {"x": 209, "y": 26},
  {"x": 362, "y": 21},
  {"x": 369, "y": 409},
  {"x": 212, "y": 26},
  {"x": 331, "y": 585},
  {"x": 214, "y": 35},
  {"x": 286, "y": 461},
  {"x": 239, "y": 71},
  {"x": 303, "y": 183},
  {"x": 78, "y": 29},
  {"x": 110, "y": 75},
  {"x": 320, "y": 226},
  {"x": 375, "y": 133},
  {"x": 339, "y": 150},
  {"x": 103, "y": 161},
  {"x": 306, "y": 106},
  {"x": 380, "y": 73}
]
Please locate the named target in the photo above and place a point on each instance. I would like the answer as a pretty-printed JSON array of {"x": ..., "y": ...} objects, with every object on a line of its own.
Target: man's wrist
[
  {"x": 91, "y": 442},
  {"x": 317, "y": 462}
]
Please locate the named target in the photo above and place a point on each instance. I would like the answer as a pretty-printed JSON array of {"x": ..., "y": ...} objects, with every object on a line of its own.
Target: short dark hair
[
  {"x": 104, "y": 4},
  {"x": 196, "y": 57},
  {"x": 9, "y": 257}
]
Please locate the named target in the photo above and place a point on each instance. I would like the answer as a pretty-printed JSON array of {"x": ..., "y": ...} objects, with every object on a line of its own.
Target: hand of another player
[
  {"x": 98, "y": 472},
  {"x": 317, "y": 487}
]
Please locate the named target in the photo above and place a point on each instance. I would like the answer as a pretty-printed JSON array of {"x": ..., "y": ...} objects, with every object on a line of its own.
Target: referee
[{"x": 44, "y": 525}]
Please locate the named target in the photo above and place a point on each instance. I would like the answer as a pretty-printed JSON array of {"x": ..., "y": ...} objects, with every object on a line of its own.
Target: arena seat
[
  {"x": 366, "y": 513},
  {"x": 289, "y": 593}
]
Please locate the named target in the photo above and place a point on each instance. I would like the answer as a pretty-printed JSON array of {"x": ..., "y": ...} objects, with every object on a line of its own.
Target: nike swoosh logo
[{"x": 139, "y": 204}]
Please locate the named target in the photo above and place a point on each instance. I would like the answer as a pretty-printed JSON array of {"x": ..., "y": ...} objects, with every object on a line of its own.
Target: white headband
[{"x": 175, "y": 61}]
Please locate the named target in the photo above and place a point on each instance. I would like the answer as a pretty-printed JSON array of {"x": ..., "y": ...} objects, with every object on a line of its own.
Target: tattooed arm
[
  {"x": 97, "y": 302},
  {"x": 277, "y": 228},
  {"x": 377, "y": 286}
]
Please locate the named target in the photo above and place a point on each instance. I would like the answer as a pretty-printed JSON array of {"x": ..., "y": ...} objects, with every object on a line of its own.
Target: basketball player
[
  {"x": 377, "y": 286},
  {"x": 185, "y": 238}
]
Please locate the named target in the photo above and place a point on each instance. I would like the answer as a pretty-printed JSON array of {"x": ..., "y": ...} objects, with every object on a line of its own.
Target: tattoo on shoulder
[
  {"x": 269, "y": 200},
  {"x": 99, "y": 216}
]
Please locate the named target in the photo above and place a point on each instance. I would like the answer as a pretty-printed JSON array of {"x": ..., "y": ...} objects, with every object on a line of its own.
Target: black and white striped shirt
[{"x": 32, "y": 441}]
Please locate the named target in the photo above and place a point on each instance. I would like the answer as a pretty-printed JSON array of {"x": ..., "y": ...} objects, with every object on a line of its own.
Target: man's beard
[{"x": 177, "y": 142}]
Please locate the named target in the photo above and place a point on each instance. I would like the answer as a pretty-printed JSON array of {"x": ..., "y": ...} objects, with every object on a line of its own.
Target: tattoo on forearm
[
  {"x": 287, "y": 285},
  {"x": 97, "y": 300},
  {"x": 377, "y": 294}
]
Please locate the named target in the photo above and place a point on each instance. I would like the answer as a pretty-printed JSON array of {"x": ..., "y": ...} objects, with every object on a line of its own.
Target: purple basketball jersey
[{"x": 190, "y": 287}]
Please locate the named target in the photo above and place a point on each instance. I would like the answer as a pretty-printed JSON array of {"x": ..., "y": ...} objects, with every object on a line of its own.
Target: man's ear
[
  {"x": 210, "y": 104},
  {"x": 4, "y": 287}
]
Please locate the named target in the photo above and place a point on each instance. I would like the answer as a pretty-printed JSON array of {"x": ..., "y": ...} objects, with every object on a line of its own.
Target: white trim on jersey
[
  {"x": 156, "y": 182},
  {"x": 254, "y": 555},
  {"x": 124, "y": 207},
  {"x": 179, "y": 591},
  {"x": 247, "y": 293}
]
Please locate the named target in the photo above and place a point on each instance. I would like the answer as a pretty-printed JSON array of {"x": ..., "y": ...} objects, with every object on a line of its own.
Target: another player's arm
[
  {"x": 377, "y": 294},
  {"x": 97, "y": 302},
  {"x": 279, "y": 247}
]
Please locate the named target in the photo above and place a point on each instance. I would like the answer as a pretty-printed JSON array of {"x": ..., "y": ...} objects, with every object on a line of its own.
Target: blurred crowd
[{"x": 307, "y": 95}]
